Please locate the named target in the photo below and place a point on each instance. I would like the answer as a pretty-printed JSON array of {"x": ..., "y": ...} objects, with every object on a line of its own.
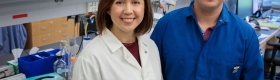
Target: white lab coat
[{"x": 106, "y": 58}]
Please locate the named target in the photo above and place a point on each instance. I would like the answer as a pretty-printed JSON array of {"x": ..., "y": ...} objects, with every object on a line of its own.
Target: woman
[{"x": 120, "y": 52}]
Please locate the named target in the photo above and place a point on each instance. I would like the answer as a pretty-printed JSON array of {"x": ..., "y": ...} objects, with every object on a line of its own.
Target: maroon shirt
[
  {"x": 133, "y": 48},
  {"x": 207, "y": 33}
]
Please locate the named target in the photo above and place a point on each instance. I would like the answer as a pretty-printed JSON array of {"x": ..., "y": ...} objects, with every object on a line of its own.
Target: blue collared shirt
[{"x": 231, "y": 52}]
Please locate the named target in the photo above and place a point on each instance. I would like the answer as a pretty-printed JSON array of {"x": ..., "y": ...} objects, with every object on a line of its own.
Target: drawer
[
  {"x": 63, "y": 23},
  {"x": 66, "y": 32},
  {"x": 43, "y": 39},
  {"x": 44, "y": 26}
]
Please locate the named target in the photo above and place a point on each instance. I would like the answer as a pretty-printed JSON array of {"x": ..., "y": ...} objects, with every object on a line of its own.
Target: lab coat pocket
[{"x": 227, "y": 70}]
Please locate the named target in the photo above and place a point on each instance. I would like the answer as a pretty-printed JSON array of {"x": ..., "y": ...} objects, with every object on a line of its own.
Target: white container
[{"x": 86, "y": 41}]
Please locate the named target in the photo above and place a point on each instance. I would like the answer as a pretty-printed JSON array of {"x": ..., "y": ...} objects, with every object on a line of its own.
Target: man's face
[{"x": 209, "y": 4}]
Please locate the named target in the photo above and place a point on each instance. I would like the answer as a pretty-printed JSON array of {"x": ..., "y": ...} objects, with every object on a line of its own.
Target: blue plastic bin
[{"x": 32, "y": 65}]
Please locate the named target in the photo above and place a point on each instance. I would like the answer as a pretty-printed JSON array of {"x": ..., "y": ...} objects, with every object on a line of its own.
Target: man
[{"x": 207, "y": 42}]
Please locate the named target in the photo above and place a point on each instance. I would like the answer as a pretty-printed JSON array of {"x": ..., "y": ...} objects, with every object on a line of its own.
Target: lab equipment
[
  {"x": 32, "y": 65},
  {"x": 6, "y": 71},
  {"x": 49, "y": 76},
  {"x": 60, "y": 67},
  {"x": 73, "y": 46},
  {"x": 68, "y": 47},
  {"x": 87, "y": 25},
  {"x": 86, "y": 41},
  {"x": 73, "y": 49},
  {"x": 15, "y": 77},
  {"x": 64, "y": 49},
  {"x": 71, "y": 67},
  {"x": 89, "y": 21},
  {"x": 170, "y": 2}
]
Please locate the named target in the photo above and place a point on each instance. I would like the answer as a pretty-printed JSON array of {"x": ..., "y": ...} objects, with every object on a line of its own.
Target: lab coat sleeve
[
  {"x": 157, "y": 36},
  {"x": 253, "y": 67},
  {"x": 85, "y": 70}
]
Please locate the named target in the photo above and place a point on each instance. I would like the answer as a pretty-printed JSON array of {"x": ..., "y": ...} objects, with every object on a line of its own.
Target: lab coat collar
[
  {"x": 224, "y": 14},
  {"x": 111, "y": 40},
  {"x": 114, "y": 44},
  {"x": 143, "y": 52}
]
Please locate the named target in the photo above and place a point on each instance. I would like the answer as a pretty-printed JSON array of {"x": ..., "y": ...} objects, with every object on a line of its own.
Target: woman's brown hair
[{"x": 103, "y": 19}]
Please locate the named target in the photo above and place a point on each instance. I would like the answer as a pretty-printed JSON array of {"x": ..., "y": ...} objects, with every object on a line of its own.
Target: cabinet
[{"x": 45, "y": 32}]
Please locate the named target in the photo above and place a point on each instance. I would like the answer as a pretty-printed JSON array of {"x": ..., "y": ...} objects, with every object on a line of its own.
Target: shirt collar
[
  {"x": 224, "y": 14},
  {"x": 189, "y": 10},
  {"x": 223, "y": 17}
]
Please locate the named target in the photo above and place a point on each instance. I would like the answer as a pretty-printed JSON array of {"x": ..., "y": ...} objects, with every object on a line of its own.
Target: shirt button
[
  {"x": 221, "y": 20},
  {"x": 146, "y": 52}
]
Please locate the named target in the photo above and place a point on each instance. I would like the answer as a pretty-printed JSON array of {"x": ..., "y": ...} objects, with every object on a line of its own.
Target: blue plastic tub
[{"x": 32, "y": 65}]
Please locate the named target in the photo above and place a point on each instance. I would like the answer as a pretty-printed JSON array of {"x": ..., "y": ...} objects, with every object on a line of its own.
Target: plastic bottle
[
  {"x": 71, "y": 66},
  {"x": 86, "y": 41},
  {"x": 60, "y": 67}
]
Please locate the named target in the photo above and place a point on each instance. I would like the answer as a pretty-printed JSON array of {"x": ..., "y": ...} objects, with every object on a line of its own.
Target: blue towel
[
  {"x": 12, "y": 37},
  {"x": 17, "y": 36},
  {"x": 1, "y": 39},
  {"x": 4, "y": 41}
]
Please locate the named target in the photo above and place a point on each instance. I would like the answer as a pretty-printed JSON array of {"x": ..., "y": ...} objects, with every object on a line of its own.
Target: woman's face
[{"x": 127, "y": 14}]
